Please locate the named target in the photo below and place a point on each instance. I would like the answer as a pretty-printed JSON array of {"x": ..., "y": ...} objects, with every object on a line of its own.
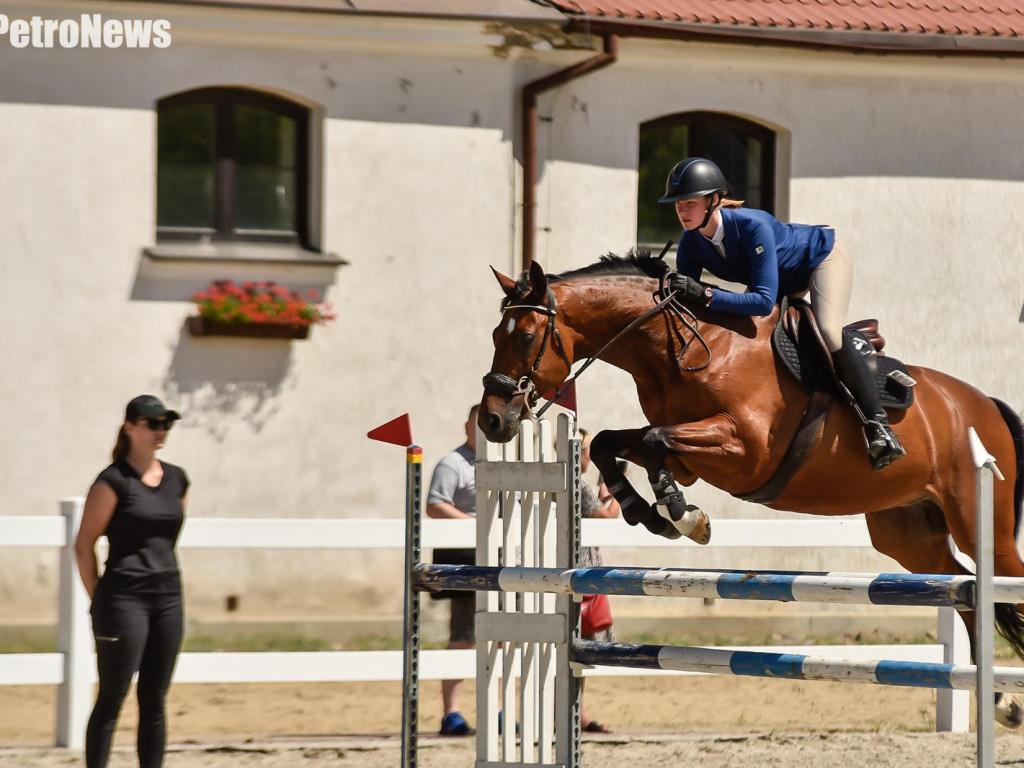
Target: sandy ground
[{"x": 706, "y": 721}]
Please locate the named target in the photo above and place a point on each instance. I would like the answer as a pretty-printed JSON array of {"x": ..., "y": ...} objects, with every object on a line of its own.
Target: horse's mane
[{"x": 634, "y": 263}]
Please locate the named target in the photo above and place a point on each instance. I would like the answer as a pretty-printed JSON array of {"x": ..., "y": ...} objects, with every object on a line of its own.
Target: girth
[{"x": 798, "y": 343}]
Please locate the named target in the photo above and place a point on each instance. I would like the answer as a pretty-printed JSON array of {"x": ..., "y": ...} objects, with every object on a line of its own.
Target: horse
[{"x": 720, "y": 407}]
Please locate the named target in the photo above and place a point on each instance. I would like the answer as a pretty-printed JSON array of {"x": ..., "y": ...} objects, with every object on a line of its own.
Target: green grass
[
  {"x": 204, "y": 642},
  {"x": 28, "y": 645},
  {"x": 297, "y": 642},
  {"x": 201, "y": 642}
]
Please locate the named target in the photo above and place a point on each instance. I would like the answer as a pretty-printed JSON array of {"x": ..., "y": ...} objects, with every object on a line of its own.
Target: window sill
[
  {"x": 175, "y": 271},
  {"x": 242, "y": 253}
]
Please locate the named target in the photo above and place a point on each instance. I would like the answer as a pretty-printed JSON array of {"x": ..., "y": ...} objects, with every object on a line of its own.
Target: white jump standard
[{"x": 535, "y": 639}]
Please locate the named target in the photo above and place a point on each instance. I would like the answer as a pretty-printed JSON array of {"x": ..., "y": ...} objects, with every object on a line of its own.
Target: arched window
[
  {"x": 232, "y": 165},
  {"x": 745, "y": 152}
]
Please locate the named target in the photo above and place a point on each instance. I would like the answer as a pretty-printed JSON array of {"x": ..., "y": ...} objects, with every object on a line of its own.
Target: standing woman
[
  {"x": 753, "y": 248},
  {"x": 138, "y": 502}
]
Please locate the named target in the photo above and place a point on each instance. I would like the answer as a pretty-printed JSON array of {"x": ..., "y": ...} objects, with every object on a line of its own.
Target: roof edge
[
  {"x": 380, "y": 8},
  {"x": 840, "y": 40}
]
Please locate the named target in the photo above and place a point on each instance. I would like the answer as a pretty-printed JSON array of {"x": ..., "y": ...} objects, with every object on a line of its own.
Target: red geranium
[{"x": 262, "y": 302}]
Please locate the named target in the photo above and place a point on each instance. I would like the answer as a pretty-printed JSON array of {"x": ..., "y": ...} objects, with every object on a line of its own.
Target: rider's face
[{"x": 691, "y": 212}]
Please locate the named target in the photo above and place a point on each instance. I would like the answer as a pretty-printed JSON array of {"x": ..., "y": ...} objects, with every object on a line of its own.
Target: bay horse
[{"x": 721, "y": 408}]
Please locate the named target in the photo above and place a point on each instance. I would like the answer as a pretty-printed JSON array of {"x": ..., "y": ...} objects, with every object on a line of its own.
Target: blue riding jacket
[{"x": 771, "y": 258}]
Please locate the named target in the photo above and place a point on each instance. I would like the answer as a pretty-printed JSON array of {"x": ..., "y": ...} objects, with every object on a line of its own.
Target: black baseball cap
[{"x": 148, "y": 407}]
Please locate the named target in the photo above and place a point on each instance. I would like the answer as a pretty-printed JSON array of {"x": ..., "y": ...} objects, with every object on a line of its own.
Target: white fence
[{"x": 73, "y": 667}]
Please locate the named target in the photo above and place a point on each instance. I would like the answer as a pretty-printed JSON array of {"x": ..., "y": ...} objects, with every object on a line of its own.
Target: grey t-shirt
[{"x": 454, "y": 480}]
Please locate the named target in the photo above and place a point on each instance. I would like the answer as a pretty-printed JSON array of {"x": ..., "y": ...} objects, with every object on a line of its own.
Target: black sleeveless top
[{"x": 143, "y": 530}]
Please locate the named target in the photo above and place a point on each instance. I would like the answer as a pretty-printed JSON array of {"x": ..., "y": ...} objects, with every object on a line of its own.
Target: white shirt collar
[
  {"x": 719, "y": 235},
  {"x": 718, "y": 238}
]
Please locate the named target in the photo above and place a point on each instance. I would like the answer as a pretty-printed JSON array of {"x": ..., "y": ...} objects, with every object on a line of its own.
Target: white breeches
[{"x": 830, "y": 289}]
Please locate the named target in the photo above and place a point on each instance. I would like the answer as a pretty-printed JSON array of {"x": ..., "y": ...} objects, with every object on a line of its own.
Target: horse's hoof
[
  {"x": 1009, "y": 712},
  {"x": 692, "y": 523},
  {"x": 695, "y": 525}
]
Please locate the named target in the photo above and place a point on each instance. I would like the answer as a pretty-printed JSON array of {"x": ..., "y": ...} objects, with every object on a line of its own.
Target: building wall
[{"x": 911, "y": 160}]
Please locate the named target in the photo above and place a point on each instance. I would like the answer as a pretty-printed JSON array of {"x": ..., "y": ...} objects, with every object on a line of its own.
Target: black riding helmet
[{"x": 693, "y": 177}]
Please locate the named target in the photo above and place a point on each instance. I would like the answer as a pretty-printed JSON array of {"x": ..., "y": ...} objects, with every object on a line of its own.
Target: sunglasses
[{"x": 155, "y": 424}]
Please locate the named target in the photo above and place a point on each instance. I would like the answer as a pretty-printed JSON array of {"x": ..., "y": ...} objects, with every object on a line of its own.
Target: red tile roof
[{"x": 993, "y": 18}]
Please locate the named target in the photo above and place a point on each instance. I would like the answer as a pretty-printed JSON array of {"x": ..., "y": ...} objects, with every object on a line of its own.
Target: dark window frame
[
  {"x": 225, "y": 100},
  {"x": 699, "y": 121}
]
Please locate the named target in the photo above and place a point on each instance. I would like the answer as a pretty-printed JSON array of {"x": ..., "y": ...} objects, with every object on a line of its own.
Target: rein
[{"x": 663, "y": 301}]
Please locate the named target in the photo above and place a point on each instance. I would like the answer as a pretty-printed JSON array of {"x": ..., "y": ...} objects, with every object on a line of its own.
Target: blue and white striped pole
[
  {"x": 791, "y": 666},
  {"x": 869, "y": 589}
]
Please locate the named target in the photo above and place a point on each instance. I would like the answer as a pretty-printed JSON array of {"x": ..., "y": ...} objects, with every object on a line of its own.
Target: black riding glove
[{"x": 687, "y": 289}]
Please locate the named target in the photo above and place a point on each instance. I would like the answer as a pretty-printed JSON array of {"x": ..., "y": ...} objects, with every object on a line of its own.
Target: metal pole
[
  {"x": 984, "y": 609},
  {"x": 567, "y": 685},
  {"x": 411, "y": 624},
  {"x": 984, "y": 616}
]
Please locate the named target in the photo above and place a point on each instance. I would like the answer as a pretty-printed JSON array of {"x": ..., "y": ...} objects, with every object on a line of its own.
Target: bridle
[{"x": 508, "y": 387}]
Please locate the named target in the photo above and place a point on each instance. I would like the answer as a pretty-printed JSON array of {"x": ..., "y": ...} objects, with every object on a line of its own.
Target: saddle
[{"x": 798, "y": 343}]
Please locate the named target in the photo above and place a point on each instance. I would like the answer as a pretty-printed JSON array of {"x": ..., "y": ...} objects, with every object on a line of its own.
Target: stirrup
[{"x": 883, "y": 445}]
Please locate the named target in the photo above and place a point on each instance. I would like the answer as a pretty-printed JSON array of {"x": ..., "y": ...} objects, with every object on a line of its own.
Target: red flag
[
  {"x": 566, "y": 398},
  {"x": 397, "y": 431}
]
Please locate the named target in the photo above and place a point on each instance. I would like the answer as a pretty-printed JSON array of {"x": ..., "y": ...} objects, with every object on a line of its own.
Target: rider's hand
[{"x": 687, "y": 289}]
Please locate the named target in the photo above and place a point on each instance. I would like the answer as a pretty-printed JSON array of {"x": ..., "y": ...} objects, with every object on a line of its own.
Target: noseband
[{"x": 509, "y": 388}]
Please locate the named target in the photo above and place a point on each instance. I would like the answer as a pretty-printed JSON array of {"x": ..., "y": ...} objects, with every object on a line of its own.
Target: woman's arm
[
  {"x": 763, "y": 288},
  {"x": 685, "y": 263},
  {"x": 99, "y": 508},
  {"x": 609, "y": 506}
]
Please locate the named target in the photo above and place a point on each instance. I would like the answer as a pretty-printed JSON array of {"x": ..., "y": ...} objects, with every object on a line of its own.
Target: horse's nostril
[{"x": 493, "y": 423}]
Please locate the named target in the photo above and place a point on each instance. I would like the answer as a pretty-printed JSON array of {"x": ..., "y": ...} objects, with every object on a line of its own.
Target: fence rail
[{"x": 73, "y": 667}]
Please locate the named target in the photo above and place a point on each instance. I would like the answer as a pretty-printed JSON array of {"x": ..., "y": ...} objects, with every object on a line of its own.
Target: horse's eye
[{"x": 526, "y": 339}]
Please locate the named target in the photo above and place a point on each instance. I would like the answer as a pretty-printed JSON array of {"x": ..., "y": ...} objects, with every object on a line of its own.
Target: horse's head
[{"x": 529, "y": 354}]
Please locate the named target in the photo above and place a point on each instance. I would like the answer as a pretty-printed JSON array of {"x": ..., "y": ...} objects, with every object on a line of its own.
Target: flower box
[
  {"x": 262, "y": 310},
  {"x": 204, "y": 326}
]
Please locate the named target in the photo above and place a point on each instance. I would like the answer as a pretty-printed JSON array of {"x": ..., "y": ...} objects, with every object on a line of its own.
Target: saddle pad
[{"x": 806, "y": 366}]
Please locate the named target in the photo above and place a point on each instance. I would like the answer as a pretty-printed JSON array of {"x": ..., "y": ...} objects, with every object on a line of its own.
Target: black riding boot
[{"x": 852, "y": 368}]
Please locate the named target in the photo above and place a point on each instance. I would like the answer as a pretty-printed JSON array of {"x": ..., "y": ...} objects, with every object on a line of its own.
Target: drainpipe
[{"x": 530, "y": 118}]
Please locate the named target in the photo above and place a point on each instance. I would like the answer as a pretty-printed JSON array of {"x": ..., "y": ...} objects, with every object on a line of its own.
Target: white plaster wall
[
  {"x": 913, "y": 162},
  {"x": 419, "y": 184}
]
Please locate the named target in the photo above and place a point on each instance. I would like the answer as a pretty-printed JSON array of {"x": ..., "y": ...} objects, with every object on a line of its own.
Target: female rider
[{"x": 753, "y": 248}]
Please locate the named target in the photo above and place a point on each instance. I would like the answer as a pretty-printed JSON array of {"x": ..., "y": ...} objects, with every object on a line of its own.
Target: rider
[{"x": 753, "y": 248}]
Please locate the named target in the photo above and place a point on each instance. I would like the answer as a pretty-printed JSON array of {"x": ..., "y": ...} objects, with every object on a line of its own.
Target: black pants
[{"x": 134, "y": 633}]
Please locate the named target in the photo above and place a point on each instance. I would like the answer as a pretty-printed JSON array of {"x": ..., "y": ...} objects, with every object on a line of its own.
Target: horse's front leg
[
  {"x": 648, "y": 447},
  {"x": 689, "y": 444}
]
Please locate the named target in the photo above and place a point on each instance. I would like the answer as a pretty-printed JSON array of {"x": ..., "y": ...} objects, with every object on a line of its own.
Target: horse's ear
[
  {"x": 508, "y": 285},
  {"x": 538, "y": 279}
]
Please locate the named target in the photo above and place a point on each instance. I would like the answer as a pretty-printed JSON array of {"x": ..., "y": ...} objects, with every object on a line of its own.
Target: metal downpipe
[{"x": 530, "y": 119}]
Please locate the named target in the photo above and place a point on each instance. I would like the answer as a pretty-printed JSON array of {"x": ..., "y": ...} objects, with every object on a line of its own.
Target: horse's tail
[
  {"x": 1016, "y": 427},
  {"x": 1008, "y": 618}
]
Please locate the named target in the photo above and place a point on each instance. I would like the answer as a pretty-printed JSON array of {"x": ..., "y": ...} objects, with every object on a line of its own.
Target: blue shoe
[
  {"x": 501, "y": 723},
  {"x": 454, "y": 724}
]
